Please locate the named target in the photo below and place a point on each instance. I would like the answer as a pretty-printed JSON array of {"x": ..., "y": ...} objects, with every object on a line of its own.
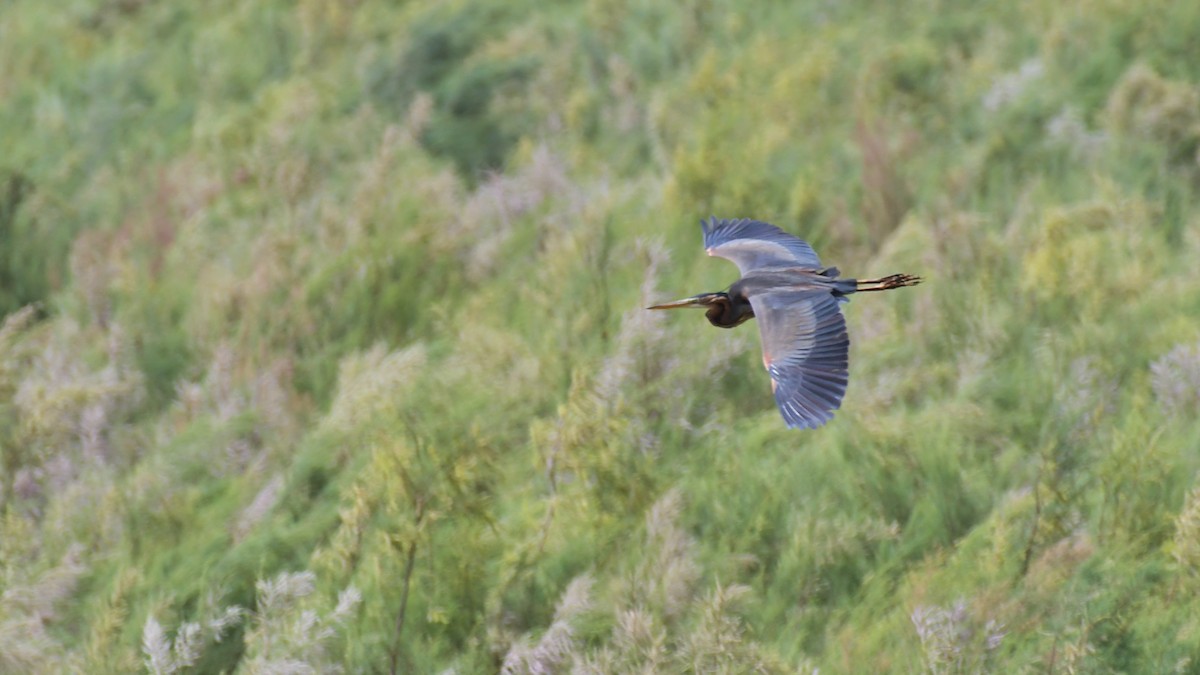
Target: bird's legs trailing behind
[{"x": 886, "y": 283}]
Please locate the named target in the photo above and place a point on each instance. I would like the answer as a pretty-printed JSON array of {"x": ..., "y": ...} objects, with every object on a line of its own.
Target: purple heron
[{"x": 805, "y": 347}]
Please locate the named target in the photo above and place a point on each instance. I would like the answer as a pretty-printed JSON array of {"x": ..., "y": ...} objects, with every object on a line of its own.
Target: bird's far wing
[
  {"x": 752, "y": 244},
  {"x": 806, "y": 351}
]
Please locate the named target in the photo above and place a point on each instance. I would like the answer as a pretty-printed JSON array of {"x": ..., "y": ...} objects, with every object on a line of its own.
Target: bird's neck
[{"x": 727, "y": 311}]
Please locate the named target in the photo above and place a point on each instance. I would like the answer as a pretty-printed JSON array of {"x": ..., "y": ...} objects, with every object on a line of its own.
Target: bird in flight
[{"x": 805, "y": 347}]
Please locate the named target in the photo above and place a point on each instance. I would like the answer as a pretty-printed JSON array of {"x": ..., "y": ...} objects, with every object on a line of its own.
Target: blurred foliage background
[{"x": 324, "y": 347}]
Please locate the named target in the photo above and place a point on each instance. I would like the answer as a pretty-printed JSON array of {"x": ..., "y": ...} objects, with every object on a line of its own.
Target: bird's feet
[
  {"x": 900, "y": 280},
  {"x": 889, "y": 282}
]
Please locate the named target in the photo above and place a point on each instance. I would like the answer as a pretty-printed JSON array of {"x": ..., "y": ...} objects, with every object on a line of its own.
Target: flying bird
[{"x": 805, "y": 347}]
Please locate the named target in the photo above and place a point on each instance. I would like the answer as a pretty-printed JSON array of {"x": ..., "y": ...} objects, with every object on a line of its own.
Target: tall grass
[{"x": 323, "y": 345}]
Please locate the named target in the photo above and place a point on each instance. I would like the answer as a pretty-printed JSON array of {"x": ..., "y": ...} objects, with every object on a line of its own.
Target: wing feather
[
  {"x": 753, "y": 245},
  {"x": 806, "y": 352}
]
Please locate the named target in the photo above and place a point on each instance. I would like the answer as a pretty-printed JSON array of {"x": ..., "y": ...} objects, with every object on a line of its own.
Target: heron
[{"x": 805, "y": 346}]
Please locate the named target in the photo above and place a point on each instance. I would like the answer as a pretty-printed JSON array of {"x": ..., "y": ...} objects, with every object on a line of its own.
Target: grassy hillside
[{"x": 324, "y": 344}]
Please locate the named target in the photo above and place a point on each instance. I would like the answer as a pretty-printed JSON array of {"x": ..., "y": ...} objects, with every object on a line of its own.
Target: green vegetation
[{"x": 324, "y": 343}]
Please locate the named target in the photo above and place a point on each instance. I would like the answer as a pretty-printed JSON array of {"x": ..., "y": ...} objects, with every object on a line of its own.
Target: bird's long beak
[{"x": 702, "y": 300}]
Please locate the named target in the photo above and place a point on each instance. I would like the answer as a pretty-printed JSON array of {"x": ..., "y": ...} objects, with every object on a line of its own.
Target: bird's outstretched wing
[
  {"x": 752, "y": 245},
  {"x": 806, "y": 351}
]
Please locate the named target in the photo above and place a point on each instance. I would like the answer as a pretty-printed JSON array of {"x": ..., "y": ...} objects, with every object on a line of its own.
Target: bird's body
[
  {"x": 735, "y": 308},
  {"x": 796, "y": 300}
]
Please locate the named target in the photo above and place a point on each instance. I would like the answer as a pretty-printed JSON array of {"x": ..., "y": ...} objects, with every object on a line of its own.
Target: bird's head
[
  {"x": 699, "y": 301},
  {"x": 723, "y": 311}
]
